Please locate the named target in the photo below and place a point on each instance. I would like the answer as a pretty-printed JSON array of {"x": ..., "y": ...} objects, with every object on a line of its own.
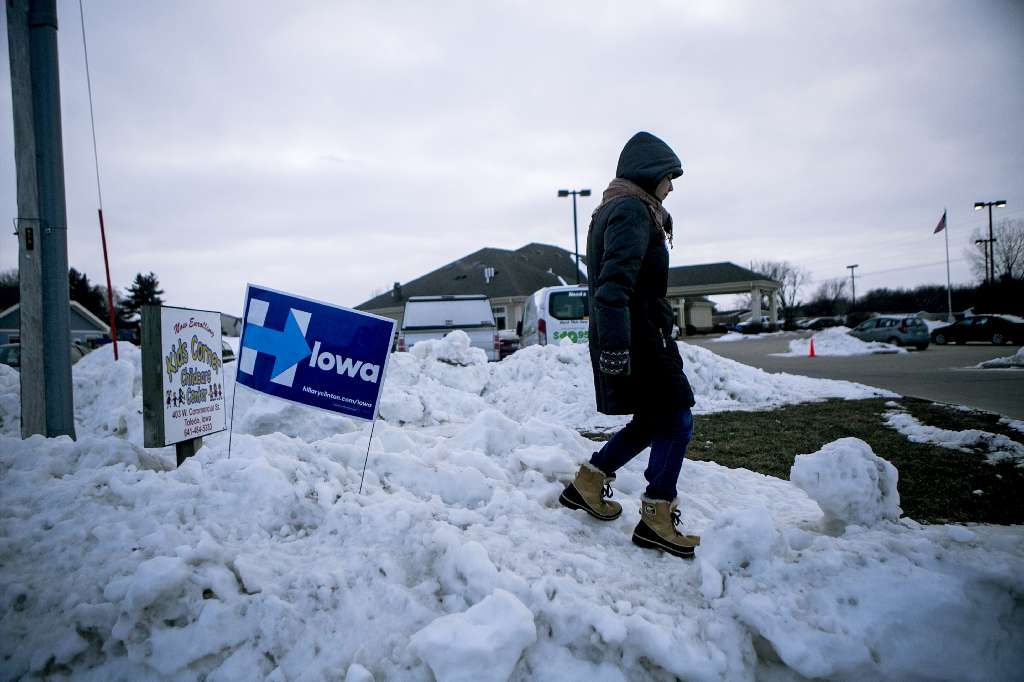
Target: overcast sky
[{"x": 330, "y": 149}]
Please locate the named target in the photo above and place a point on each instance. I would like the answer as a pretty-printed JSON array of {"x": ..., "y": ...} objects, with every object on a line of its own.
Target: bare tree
[
  {"x": 791, "y": 278},
  {"x": 1009, "y": 250},
  {"x": 832, "y": 291}
]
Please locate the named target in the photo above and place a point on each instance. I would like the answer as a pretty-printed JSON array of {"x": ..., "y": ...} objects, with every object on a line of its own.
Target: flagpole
[{"x": 949, "y": 286}]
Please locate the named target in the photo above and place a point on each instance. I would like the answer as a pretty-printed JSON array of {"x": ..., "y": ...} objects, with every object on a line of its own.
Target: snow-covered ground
[
  {"x": 1015, "y": 424},
  {"x": 836, "y": 341},
  {"x": 457, "y": 562},
  {"x": 1011, "y": 361},
  {"x": 997, "y": 447}
]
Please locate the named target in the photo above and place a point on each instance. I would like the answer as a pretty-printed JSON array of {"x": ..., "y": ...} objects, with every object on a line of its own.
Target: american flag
[{"x": 942, "y": 224}]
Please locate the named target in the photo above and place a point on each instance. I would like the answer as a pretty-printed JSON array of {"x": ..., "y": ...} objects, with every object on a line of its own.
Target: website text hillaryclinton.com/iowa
[{"x": 331, "y": 396}]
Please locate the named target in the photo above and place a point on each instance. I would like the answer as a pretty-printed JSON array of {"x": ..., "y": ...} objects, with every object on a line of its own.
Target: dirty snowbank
[
  {"x": 836, "y": 341},
  {"x": 1011, "y": 361},
  {"x": 439, "y": 382},
  {"x": 557, "y": 383},
  {"x": 269, "y": 565}
]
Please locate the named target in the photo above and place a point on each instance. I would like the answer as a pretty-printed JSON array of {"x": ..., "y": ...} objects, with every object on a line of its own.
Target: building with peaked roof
[
  {"x": 509, "y": 277},
  {"x": 506, "y": 277},
  {"x": 689, "y": 284},
  {"x": 84, "y": 325}
]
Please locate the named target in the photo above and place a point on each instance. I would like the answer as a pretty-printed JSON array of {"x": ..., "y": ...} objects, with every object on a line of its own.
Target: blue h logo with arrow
[{"x": 288, "y": 346}]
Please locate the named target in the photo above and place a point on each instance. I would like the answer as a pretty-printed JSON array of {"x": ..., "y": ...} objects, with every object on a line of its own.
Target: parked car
[
  {"x": 819, "y": 323},
  {"x": 10, "y": 353},
  {"x": 751, "y": 326},
  {"x": 508, "y": 343},
  {"x": 899, "y": 330},
  {"x": 555, "y": 313},
  {"x": 227, "y": 353},
  {"x": 995, "y": 329},
  {"x": 434, "y": 317}
]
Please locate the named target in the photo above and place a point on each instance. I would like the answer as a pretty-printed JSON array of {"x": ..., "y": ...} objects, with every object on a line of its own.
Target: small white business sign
[{"x": 191, "y": 388}]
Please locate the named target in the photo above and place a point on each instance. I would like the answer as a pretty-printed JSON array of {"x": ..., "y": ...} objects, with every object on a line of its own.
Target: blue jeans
[{"x": 667, "y": 435}]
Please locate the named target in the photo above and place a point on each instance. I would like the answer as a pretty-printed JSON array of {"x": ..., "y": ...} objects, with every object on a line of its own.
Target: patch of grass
[{"x": 936, "y": 484}]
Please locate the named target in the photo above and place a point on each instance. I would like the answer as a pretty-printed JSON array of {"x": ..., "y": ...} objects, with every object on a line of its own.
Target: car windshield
[
  {"x": 1013, "y": 318},
  {"x": 569, "y": 305}
]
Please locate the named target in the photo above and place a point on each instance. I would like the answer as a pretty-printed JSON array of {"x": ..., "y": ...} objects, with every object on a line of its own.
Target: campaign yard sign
[
  {"x": 313, "y": 353},
  {"x": 182, "y": 375}
]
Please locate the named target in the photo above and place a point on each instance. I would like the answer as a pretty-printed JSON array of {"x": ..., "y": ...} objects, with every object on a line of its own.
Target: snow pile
[
  {"x": 10, "y": 400},
  {"x": 865, "y": 604},
  {"x": 1015, "y": 424},
  {"x": 849, "y": 482},
  {"x": 1015, "y": 360},
  {"x": 108, "y": 394},
  {"x": 722, "y": 384},
  {"x": 729, "y": 337},
  {"x": 268, "y": 565},
  {"x": 837, "y": 341},
  {"x": 997, "y": 447},
  {"x": 453, "y": 349},
  {"x": 457, "y": 561},
  {"x": 556, "y": 383},
  {"x": 482, "y": 644},
  {"x": 935, "y": 324}
]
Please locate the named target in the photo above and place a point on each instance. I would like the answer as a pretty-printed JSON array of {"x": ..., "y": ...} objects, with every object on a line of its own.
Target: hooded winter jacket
[{"x": 627, "y": 257}]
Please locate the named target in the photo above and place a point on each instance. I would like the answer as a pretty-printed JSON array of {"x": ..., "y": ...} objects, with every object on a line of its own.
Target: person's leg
[
  {"x": 591, "y": 487},
  {"x": 671, "y": 435},
  {"x": 658, "y": 507},
  {"x": 624, "y": 445}
]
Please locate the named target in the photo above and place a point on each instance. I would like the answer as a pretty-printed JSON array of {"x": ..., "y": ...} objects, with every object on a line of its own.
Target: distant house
[
  {"x": 509, "y": 277},
  {"x": 84, "y": 325}
]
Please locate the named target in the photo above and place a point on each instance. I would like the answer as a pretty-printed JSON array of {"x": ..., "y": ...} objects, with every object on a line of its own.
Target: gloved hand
[{"x": 614, "y": 362}]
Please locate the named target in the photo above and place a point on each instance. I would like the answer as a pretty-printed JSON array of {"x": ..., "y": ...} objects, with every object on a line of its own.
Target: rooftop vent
[{"x": 396, "y": 291}]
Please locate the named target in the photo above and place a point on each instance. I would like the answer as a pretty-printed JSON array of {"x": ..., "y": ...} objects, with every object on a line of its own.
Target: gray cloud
[{"x": 332, "y": 148}]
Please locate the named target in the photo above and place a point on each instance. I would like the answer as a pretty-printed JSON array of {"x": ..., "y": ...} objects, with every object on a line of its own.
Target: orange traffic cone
[{"x": 811, "y": 354}]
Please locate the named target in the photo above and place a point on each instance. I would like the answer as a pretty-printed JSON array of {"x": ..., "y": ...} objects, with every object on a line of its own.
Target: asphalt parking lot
[{"x": 940, "y": 373}]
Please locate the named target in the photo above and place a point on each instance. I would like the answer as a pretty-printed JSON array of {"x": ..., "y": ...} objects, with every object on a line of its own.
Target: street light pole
[
  {"x": 853, "y": 286},
  {"x": 984, "y": 242},
  {"x": 990, "y": 253},
  {"x": 575, "y": 229}
]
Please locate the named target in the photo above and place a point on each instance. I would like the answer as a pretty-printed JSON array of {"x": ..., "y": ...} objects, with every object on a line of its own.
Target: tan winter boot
[
  {"x": 588, "y": 492},
  {"x": 657, "y": 528}
]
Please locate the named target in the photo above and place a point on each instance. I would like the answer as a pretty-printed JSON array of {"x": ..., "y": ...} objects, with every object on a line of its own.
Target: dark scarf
[{"x": 620, "y": 188}]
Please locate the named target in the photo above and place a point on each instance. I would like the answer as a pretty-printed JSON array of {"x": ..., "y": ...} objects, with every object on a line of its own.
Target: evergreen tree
[
  {"x": 91, "y": 296},
  {"x": 9, "y": 291},
  {"x": 144, "y": 290}
]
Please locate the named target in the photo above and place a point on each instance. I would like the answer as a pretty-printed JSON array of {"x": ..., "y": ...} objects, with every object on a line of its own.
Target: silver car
[{"x": 899, "y": 330}]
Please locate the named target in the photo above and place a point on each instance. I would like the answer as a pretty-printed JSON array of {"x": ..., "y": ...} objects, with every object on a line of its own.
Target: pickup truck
[{"x": 434, "y": 317}]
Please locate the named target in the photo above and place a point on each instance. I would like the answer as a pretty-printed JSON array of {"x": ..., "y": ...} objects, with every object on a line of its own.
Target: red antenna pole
[
  {"x": 110, "y": 289},
  {"x": 99, "y": 191}
]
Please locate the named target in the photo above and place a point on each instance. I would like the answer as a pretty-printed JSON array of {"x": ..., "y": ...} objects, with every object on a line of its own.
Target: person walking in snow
[{"x": 637, "y": 366}]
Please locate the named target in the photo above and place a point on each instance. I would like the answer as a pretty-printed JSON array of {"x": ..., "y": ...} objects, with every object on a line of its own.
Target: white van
[
  {"x": 434, "y": 317},
  {"x": 556, "y": 313}
]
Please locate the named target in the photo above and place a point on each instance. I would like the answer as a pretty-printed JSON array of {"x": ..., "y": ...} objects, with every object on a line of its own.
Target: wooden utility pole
[{"x": 47, "y": 405}]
